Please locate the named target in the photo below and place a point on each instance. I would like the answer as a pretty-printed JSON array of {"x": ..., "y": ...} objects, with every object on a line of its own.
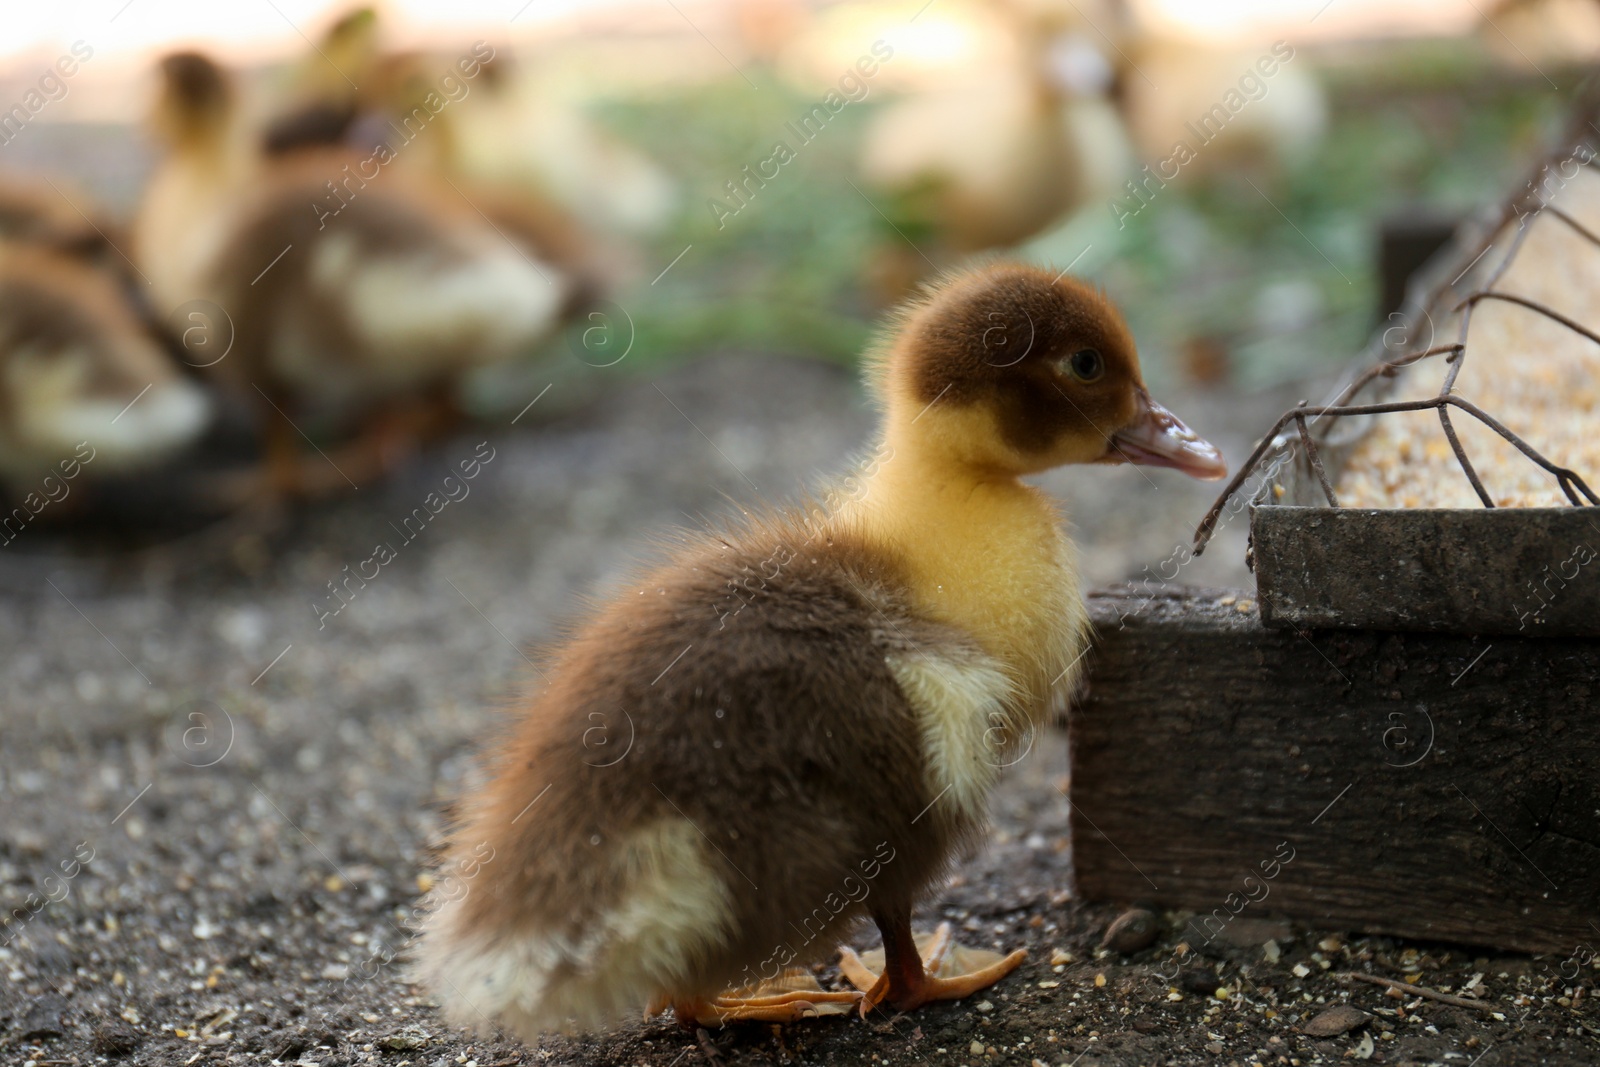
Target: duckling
[
  {"x": 558, "y": 152},
  {"x": 37, "y": 214},
  {"x": 1195, "y": 108},
  {"x": 349, "y": 287},
  {"x": 427, "y": 140},
  {"x": 78, "y": 371},
  {"x": 984, "y": 165},
  {"x": 818, "y": 700},
  {"x": 1531, "y": 35},
  {"x": 324, "y": 91},
  {"x": 557, "y": 155}
]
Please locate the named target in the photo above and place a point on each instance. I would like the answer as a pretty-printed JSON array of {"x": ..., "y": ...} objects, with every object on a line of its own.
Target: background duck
[
  {"x": 1531, "y": 35},
  {"x": 560, "y": 152},
  {"x": 415, "y": 110},
  {"x": 34, "y": 213},
  {"x": 347, "y": 288},
  {"x": 78, "y": 370},
  {"x": 493, "y": 125},
  {"x": 1236, "y": 109},
  {"x": 988, "y": 164},
  {"x": 408, "y": 113},
  {"x": 820, "y": 700},
  {"x": 321, "y": 96}
]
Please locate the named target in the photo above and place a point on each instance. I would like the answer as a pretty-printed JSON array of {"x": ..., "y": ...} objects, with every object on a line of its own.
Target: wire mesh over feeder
[{"x": 1444, "y": 488}]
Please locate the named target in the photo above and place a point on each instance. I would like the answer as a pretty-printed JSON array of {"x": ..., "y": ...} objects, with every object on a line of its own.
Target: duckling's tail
[{"x": 497, "y": 950}]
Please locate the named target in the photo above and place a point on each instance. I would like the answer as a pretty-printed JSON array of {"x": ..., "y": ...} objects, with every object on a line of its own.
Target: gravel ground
[{"x": 220, "y": 795}]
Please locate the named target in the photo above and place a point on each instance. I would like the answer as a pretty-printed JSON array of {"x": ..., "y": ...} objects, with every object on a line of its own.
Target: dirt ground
[{"x": 220, "y": 793}]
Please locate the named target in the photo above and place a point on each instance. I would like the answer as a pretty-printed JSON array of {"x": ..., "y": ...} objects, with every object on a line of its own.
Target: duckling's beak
[{"x": 1158, "y": 438}]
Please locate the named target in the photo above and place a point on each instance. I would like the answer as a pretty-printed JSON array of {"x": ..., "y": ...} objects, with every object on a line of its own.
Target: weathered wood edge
[
  {"x": 1433, "y": 786},
  {"x": 1525, "y": 571}
]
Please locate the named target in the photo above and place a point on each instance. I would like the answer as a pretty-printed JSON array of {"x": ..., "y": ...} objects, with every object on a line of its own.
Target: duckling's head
[
  {"x": 355, "y": 29},
  {"x": 348, "y": 48},
  {"x": 195, "y": 99},
  {"x": 1011, "y": 370}
]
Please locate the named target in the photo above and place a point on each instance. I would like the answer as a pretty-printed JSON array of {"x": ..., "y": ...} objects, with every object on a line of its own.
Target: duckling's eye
[{"x": 1086, "y": 364}]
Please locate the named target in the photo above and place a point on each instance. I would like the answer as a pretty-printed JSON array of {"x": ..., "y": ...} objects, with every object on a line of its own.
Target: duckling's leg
[
  {"x": 281, "y": 453},
  {"x": 942, "y": 971},
  {"x": 789, "y": 998}
]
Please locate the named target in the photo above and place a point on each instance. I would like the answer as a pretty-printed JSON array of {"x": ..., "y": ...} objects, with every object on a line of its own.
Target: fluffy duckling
[
  {"x": 817, "y": 700},
  {"x": 348, "y": 285},
  {"x": 80, "y": 378},
  {"x": 984, "y": 165}
]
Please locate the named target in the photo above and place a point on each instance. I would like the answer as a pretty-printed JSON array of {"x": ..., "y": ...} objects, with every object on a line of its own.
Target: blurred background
[{"x": 591, "y": 191}]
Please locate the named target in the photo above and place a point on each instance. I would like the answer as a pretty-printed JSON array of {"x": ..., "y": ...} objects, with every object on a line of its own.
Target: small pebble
[
  {"x": 1339, "y": 1019},
  {"x": 45, "y": 1018},
  {"x": 114, "y": 1038},
  {"x": 1133, "y": 930},
  {"x": 1200, "y": 980},
  {"x": 402, "y": 1042}
]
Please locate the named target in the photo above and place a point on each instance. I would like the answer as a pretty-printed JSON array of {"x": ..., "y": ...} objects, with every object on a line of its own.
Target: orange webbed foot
[
  {"x": 792, "y": 996},
  {"x": 941, "y": 970}
]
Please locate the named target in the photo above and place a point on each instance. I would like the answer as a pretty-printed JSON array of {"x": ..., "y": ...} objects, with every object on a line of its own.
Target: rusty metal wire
[{"x": 1524, "y": 207}]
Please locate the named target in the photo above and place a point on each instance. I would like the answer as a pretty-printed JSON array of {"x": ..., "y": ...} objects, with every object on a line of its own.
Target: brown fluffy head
[
  {"x": 1020, "y": 369},
  {"x": 195, "y": 98}
]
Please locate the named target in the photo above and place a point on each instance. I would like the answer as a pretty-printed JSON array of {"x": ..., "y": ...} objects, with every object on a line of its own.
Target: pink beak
[{"x": 1158, "y": 438}]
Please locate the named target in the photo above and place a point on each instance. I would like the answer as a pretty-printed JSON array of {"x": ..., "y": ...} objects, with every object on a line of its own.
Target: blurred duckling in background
[
  {"x": 409, "y": 111},
  {"x": 36, "y": 214},
  {"x": 493, "y": 126},
  {"x": 1529, "y": 35},
  {"x": 348, "y": 290},
  {"x": 989, "y": 165},
  {"x": 517, "y": 131},
  {"x": 322, "y": 97},
  {"x": 414, "y": 115},
  {"x": 1194, "y": 108},
  {"x": 81, "y": 379},
  {"x": 817, "y": 701}
]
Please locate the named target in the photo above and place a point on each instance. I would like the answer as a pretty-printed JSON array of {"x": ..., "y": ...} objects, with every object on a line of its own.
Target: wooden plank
[
  {"x": 1433, "y": 786},
  {"x": 1524, "y": 571}
]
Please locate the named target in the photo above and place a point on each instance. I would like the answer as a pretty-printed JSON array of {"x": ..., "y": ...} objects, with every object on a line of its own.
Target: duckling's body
[
  {"x": 626, "y": 901},
  {"x": 794, "y": 723},
  {"x": 374, "y": 297},
  {"x": 77, "y": 368}
]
